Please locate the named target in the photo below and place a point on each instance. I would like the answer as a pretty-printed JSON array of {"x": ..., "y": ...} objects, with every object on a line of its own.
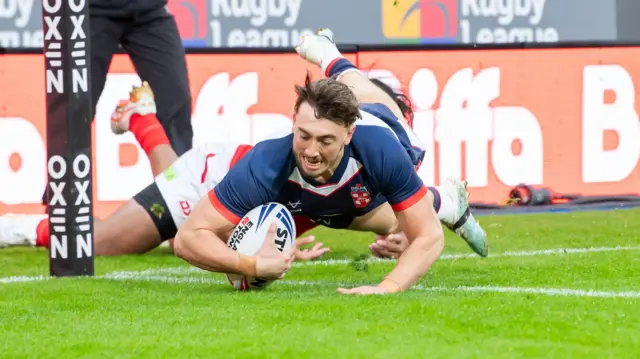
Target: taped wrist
[
  {"x": 247, "y": 265},
  {"x": 390, "y": 285}
]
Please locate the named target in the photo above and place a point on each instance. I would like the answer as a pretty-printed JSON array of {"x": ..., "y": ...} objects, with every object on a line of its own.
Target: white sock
[
  {"x": 448, "y": 207},
  {"x": 330, "y": 54},
  {"x": 19, "y": 230}
]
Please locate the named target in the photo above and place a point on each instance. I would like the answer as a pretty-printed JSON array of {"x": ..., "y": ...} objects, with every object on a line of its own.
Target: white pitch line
[
  {"x": 542, "y": 252},
  {"x": 159, "y": 278},
  {"x": 22, "y": 279},
  {"x": 117, "y": 274},
  {"x": 566, "y": 292},
  {"x": 150, "y": 275},
  {"x": 206, "y": 280},
  {"x": 332, "y": 262}
]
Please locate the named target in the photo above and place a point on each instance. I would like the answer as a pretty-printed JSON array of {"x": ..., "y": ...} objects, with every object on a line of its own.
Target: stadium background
[
  {"x": 557, "y": 110},
  {"x": 556, "y": 105}
]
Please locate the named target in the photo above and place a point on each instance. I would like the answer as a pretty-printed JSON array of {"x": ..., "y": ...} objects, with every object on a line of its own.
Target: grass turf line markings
[
  {"x": 331, "y": 262},
  {"x": 150, "y": 275},
  {"x": 542, "y": 252},
  {"x": 565, "y": 292}
]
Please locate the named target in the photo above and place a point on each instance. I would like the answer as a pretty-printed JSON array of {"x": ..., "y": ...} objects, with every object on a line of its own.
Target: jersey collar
[{"x": 337, "y": 175}]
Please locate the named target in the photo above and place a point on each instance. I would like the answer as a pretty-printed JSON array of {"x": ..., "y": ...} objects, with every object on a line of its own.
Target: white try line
[
  {"x": 542, "y": 252},
  {"x": 156, "y": 276},
  {"x": 332, "y": 262},
  {"x": 565, "y": 292},
  {"x": 22, "y": 279}
]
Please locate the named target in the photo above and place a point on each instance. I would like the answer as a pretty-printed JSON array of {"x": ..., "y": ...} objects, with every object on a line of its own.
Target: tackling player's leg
[
  {"x": 453, "y": 210},
  {"x": 451, "y": 199},
  {"x": 138, "y": 115},
  {"x": 322, "y": 51},
  {"x": 132, "y": 228}
]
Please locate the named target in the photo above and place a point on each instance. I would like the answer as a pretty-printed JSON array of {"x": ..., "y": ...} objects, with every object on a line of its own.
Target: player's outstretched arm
[
  {"x": 200, "y": 242},
  {"x": 422, "y": 227},
  {"x": 424, "y": 231}
]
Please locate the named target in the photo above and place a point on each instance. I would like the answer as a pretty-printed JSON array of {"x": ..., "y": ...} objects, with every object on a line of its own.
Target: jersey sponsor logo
[
  {"x": 360, "y": 195},
  {"x": 295, "y": 207}
]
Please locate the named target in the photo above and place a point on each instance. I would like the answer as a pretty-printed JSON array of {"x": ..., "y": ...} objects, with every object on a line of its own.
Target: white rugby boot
[
  {"x": 318, "y": 47},
  {"x": 463, "y": 223},
  {"x": 141, "y": 101},
  {"x": 19, "y": 230}
]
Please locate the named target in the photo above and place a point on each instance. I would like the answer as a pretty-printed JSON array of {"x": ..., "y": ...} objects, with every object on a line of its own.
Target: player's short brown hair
[{"x": 330, "y": 99}]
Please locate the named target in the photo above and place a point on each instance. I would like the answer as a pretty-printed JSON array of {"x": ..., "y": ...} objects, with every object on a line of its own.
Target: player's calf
[
  {"x": 321, "y": 50},
  {"x": 138, "y": 115},
  {"x": 129, "y": 230}
]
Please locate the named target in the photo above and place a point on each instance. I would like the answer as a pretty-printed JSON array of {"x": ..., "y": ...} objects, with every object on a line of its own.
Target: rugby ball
[{"x": 250, "y": 233}]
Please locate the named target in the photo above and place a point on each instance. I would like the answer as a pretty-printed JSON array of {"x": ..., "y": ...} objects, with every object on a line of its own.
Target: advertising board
[{"x": 563, "y": 118}]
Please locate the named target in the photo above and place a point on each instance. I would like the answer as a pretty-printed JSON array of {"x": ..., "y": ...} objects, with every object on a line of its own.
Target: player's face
[{"x": 318, "y": 143}]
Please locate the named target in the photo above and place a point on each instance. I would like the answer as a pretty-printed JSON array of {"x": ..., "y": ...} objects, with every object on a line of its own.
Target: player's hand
[
  {"x": 309, "y": 254},
  {"x": 270, "y": 262},
  {"x": 364, "y": 290},
  {"x": 391, "y": 246}
]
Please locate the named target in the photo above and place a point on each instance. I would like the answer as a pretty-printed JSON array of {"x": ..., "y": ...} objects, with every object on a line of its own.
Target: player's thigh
[
  {"x": 156, "y": 212},
  {"x": 189, "y": 179},
  {"x": 367, "y": 92},
  {"x": 131, "y": 229},
  {"x": 156, "y": 50},
  {"x": 381, "y": 220},
  {"x": 138, "y": 226},
  {"x": 104, "y": 39}
]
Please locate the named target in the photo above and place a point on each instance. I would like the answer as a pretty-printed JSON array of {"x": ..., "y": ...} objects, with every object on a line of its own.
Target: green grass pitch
[{"x": 554, "y": 286}]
